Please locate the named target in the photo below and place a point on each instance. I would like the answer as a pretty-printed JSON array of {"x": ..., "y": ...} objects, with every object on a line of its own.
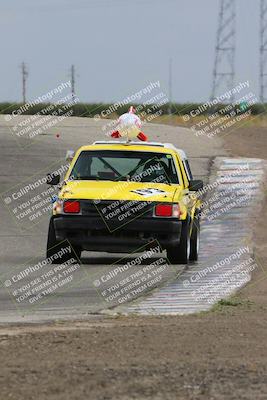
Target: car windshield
[{"x": 125, "y": 166}]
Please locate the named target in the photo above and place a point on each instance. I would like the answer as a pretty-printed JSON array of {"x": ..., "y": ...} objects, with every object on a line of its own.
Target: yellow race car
[{"x": 121, "y": 196}]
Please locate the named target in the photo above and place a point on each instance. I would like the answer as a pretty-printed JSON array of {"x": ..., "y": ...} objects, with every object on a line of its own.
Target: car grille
[{"x": 117, "y": 209}]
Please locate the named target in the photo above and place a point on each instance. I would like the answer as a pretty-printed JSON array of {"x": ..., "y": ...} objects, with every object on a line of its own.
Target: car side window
[
  {"x": 82, "y": 166},
  {"x": 187, "y": 170}
]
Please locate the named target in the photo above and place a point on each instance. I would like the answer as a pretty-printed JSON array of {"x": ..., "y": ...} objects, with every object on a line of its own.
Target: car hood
[{"x": 109, "y": 190}]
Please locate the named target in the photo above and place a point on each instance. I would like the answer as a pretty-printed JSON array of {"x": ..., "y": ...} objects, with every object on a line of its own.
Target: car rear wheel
[
  {"x": 195, "y": 239},
  {"x": 180, "y": 254},
  {"x": 53, "y": 247}
]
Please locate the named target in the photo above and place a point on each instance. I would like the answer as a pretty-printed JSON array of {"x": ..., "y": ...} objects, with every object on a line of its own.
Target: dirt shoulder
[
  {"x": 216, "y": 355},
  {"x": 212, "y": 356}
]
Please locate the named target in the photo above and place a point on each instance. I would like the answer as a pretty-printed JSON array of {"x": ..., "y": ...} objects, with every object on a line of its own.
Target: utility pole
[
  {"x": 73, "y": 82},
  {"x": 25, "y": 75},
  {"x": 263, "y": 50},
  {"x": 170, "y": 87},
  {"x": 224, "y": 65}
]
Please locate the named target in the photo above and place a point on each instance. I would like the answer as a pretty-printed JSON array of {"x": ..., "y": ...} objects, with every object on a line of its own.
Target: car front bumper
[{"x": 92, "y": 233}]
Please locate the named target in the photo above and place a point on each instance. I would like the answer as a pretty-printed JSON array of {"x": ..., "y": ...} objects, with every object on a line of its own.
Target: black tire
[
  {"x": 180, "y": 254},
  {"x": 53, "y": 247},
  {"x": 194, "y": 241}
]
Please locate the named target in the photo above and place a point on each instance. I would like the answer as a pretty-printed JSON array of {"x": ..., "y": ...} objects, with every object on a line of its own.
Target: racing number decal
[{"x": 149, "y": 192}]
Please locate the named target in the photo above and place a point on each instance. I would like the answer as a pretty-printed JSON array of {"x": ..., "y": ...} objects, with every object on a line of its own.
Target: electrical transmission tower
[
  {"x": 73, "y": 82},
  {"x": 25, "y": 75},
  {"x": 263, "y": 50},
  {"x": 224, "y": 66}
]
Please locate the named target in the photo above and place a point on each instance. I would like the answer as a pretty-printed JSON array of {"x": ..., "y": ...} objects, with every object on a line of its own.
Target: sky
[{"x": 119, "y": 46}]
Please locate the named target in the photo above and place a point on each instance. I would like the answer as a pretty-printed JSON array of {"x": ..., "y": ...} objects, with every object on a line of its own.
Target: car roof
[{"x": 146, "y": 146}]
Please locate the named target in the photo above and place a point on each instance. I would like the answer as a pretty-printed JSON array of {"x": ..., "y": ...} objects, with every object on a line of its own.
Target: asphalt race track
[{"x": 22, "y": 244}]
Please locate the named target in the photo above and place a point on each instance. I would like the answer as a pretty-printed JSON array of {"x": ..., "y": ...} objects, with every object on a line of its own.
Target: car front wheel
[{"x": 55, "y": 248}]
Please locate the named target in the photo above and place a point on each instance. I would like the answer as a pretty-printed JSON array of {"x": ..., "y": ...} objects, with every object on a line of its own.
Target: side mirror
[
  {"x": 70, "y": 155},
  {"x": 52, "y": 179},
  {"x": 195, "y": 185}
]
